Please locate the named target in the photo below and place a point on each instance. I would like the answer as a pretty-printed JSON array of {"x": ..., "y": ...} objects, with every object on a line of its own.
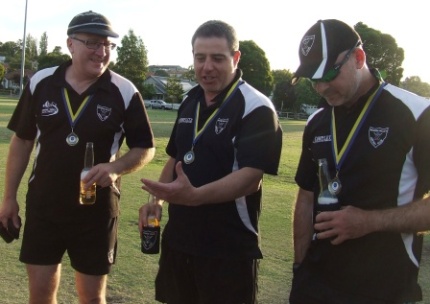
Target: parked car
[{"x": 158, "y": 104}]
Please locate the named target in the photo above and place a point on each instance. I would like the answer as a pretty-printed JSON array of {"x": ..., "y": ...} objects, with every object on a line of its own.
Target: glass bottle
[
  {"x": 327, "y": 201},
  {"x": 150, "y": 237},
  {"x": 88, "y": 196}
]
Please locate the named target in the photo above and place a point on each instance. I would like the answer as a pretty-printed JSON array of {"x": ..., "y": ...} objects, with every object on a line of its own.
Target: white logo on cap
[{"x": 307, "y": 43}]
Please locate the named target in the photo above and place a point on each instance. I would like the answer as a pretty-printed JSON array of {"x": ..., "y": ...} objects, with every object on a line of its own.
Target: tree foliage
[
  {"x": 43, "y": 44},
  {"x": 148, "y": 91},
  {"x": 56, "y": 57},
  {"x": 382, "y": 53},
  {"x": 190, "y": 75},
  {"x": 31, "y": 48},
  {"x": 2, "y": 72},
  {"x": 132, "y": 60},
  {"x": 174, "y": 90},
  {"x": 283, "y": 92},
  {"x": 10, "y": 49},
  {"x": 255, "y": 67},
  {"x": 161, "y": 73},
  {"x": 415, "y": 85}
]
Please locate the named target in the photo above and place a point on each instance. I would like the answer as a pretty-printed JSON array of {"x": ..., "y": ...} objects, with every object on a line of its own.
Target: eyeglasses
[
  {"x": 95, "y": 45},
  {"x": 331, "y": 74}
]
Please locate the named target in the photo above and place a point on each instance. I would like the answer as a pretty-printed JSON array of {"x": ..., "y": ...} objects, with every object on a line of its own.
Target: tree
[
  {"x": 2, "y": 72},
  {"x": 43, "y": 44},
  {"x": 255, "y": 67},
  {"x": 148, "y": 91},
  {"x": 30, "y": 48},
  {"x": 190, "y": 75},
  {"x": 161, "y": 73},
  {"x": 415, "y": 85},
  {"x": 174, "y": 90},
  {"x": 10, "y": 49},
  {"x": 55, "y": 58},
  {"x": 382, "y": 53},
  {"x": 132, "y": 60},
  {"x": 283, "y": 93}
]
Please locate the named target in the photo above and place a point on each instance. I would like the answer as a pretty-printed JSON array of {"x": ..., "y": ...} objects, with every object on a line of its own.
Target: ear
[
  {"x": 69, "y": 45},
  {"x": 360, "y": 57},
  {"x": 236, "y": 57}
]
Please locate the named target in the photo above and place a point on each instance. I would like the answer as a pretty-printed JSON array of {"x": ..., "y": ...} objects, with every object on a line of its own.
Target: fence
[{"x": 293, "y": 115}]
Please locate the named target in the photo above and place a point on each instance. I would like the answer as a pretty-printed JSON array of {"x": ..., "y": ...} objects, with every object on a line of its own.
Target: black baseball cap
[
  {"x": 321, "y": 45},
  {"x": 92, "y": 23}
]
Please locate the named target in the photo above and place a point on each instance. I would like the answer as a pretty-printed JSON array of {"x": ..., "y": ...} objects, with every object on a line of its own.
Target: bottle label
[{"x": 150, "y": 240}]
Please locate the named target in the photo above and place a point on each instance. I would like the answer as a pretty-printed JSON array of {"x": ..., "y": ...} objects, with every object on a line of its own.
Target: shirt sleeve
[
  {"x": 259, "y": 143},
  {"x": 422, "y": 155}
]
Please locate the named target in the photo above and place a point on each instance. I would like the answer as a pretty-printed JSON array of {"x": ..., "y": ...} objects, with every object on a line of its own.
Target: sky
[{"x": 166, "y": 26}]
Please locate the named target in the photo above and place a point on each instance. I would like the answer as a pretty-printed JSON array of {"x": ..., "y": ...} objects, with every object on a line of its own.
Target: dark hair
[{"x": 220, "y": 29}]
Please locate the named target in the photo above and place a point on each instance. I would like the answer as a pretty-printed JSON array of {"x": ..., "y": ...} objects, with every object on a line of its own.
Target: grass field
[{"x": 132, "y": 278}]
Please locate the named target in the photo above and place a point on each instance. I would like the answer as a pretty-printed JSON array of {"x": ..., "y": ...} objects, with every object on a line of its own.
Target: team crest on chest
[
  {"x": 103, "y": 112},
  {"x": 49, "y": 108},
  {"x": 220, "y": 125},
  {"x": 377, "y": 135}
]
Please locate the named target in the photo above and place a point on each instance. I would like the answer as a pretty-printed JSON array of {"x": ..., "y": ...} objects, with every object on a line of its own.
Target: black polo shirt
[
  {"x": 387, "y": 165},
  {"x": 244, "y": 133},
  {"x": 115, "y": 112}
]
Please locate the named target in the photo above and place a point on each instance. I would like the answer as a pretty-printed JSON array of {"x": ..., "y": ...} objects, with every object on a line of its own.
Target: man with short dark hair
[
  {"x": 226, "y": 136},
  {"x": 375, "y": 139},
  {"x": 61, "y": 109}
]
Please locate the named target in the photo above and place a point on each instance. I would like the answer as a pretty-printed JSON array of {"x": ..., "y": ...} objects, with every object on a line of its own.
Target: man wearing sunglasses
[
  {"x": 375, "y": 138},
  {"x": 61, "y": 109}
]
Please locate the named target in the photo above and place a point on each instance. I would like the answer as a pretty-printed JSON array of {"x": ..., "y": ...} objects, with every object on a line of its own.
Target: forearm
[
  {"x": 237, "y": 184},
  {"x": 413, "y": 217},
  {"x": 302, "y": 224},
  {"x": 133, "y": 160}
]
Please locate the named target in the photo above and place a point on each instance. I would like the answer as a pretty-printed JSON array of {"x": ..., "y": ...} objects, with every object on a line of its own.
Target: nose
[
  {"x": 208, "y": 64},
  {"x": 319, "y": 86},
  {"x": 102, "y": 51}
]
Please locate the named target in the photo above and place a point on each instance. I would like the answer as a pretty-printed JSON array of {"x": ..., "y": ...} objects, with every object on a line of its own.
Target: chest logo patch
[
  {"x": 377, "y": 136},
  {"x": 103, "y": 112},
  {"x": 49, "y": 108},
  {"x": 220, "y": 125}
]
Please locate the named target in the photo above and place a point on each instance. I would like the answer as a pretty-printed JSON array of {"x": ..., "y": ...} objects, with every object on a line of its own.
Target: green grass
[{"x": 132, "y": 278}]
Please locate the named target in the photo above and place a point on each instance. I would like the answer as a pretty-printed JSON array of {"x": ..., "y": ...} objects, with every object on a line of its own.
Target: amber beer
[{"x": 87, "y": 196}]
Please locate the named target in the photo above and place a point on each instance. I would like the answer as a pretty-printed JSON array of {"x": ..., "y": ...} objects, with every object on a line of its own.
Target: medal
[
  {"x": 335, "y": 186},
  {"x": 189, "y": 157},
  {"x": 72, "y": 139}
]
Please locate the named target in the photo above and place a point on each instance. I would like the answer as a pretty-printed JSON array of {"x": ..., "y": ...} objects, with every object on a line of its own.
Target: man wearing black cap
[
  {"x": 375, "y": 139},
  {"x": 61, "y": 109}
]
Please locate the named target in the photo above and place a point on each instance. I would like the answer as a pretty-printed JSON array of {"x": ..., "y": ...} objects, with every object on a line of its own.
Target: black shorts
[
  {"x": 309, "y": 288},
  {"x": 91, "y": 245},
  {"x": 183, "y": 278}
]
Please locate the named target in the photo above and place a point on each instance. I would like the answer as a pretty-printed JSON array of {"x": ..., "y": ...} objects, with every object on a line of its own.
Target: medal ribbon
[
  {"x": 339, "y": 157},
  {"x": 197, "y": 133},
  {"x": 74, "y": 117}
]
